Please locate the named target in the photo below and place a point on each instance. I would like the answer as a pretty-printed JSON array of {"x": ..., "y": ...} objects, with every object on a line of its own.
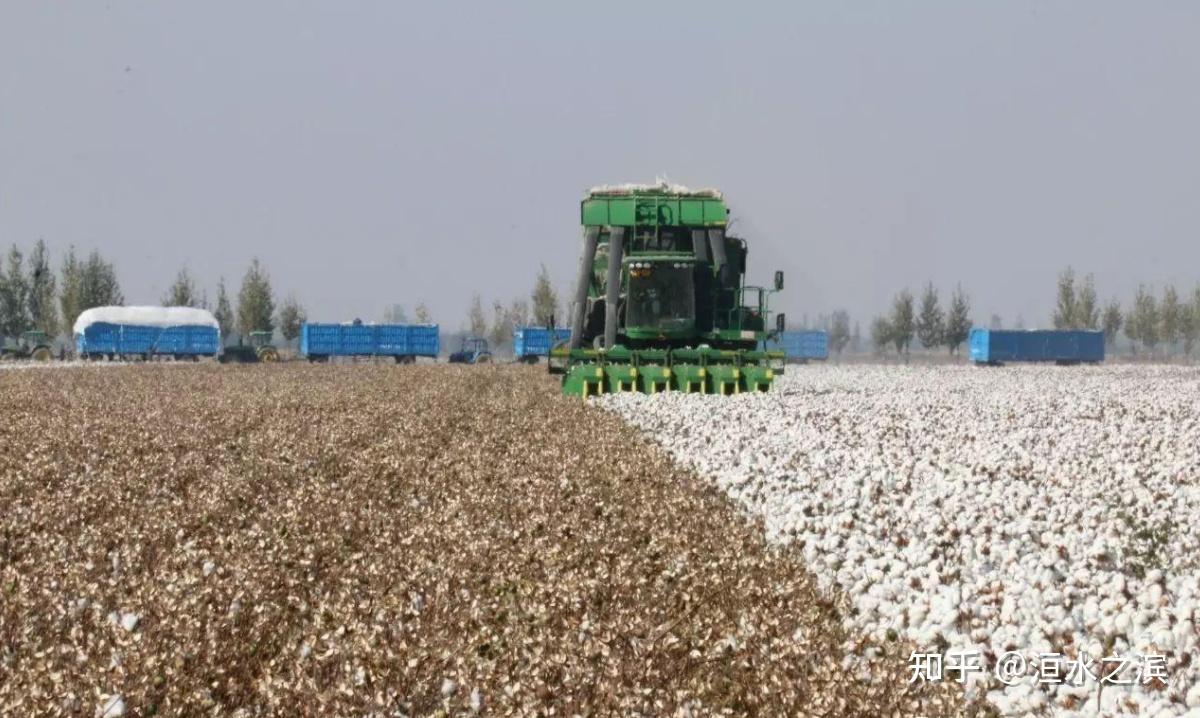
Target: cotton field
[
  {"x": 185, "y": 539},
  {"x": 1043, "y": 518}
]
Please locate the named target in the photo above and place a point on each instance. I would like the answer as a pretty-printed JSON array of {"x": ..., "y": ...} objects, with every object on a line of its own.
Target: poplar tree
[
  {"x": 902, "y": 322},
  {"x": 931, "y": 326},
  {"x": 42, "y": 310},
  {"x": 182, "y": 292},
  {"x": 14, "y": 297},
  {"x": 544, "y": 299},
  {"x": 958, "y": 322},
  {"x": 223, "y": 313},
  {"x": 256, "y": 303}
]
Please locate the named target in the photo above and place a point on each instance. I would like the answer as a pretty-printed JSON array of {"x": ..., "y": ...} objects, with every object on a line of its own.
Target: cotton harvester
[{"x": 661, "y": 301}]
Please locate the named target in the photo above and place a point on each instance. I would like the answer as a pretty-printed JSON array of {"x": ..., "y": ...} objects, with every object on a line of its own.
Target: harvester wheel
[
  {"x": 42, "y": 354},
  {"x": 483, "y": 359},
  {"x": 268, "y": 355}
]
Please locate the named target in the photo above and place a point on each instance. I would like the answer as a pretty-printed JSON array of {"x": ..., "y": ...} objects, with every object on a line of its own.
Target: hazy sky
[{"x": 372, "y": 153}]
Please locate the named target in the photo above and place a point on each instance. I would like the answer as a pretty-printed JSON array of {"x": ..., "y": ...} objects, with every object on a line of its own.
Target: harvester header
[{"x": 660, "y": 301}]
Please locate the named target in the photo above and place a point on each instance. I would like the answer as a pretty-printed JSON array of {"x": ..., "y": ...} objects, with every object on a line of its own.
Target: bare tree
[
  {"x": 476, "y": 321},
  {"x": 395, "y": 314},
  {"x": 518, "y": 312},
  {"x": 421, "y": 314},
  {"x": 501, "y": 331}
]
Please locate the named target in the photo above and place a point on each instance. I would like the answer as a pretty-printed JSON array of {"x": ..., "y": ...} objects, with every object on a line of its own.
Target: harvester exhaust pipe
[
  {"x": 579, "y": 309},
  {"x": 612, "y": 297}
]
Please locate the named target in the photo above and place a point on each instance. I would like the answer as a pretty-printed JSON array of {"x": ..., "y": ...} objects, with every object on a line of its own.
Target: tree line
[
  {"x": 1151, "y": 320},
  {"x": 929, "y": 324},
  {"x": 34, "y": 298},
  {"x": 541, "y": 310}
]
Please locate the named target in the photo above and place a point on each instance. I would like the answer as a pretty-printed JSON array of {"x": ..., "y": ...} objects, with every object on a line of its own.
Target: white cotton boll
[
  {"x": 449, "y": 687},
  {"x": 111, "y": 707},
  {"x": 129, "y": 621},
  {"x": 1192, "y": 699},
  {"x": 208, "y": 568}
]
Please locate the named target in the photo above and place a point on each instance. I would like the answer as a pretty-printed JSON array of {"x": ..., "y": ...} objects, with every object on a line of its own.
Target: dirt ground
[{"x": 373, "y": 540}]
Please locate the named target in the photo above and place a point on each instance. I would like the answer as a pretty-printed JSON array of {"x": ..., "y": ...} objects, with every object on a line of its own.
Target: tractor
[
  {"x": 33, "y": 344},
  {"x": 473, "y": 350},
  {"x": 256, "y": 349},
  {"x": 661, "y": 302}
]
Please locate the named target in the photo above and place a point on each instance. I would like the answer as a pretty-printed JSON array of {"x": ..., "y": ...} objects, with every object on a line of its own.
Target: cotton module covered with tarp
[{"x": 180, "y": 332}]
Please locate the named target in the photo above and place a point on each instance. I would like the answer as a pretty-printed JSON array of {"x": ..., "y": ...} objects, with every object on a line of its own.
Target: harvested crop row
[{"x": 388, "y": 540}]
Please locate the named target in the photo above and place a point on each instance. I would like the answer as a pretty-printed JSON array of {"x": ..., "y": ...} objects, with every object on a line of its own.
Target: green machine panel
[{"x": 653, "y": 210}]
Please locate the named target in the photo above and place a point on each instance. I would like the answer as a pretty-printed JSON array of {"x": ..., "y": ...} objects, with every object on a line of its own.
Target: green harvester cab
[{"x": 660, "y": 301}]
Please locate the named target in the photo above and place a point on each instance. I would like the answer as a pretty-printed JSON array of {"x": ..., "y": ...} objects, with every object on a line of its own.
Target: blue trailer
[
  {"x": 529, "y": 343},
  {"x": 403, "y": 342},
  {"x": 801, "y": 346},
  {"x": 146, "y": 332},
  {"x": 1061, "y": 346}
]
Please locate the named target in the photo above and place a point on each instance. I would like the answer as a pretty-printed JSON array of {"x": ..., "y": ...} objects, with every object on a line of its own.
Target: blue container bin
[
  {"x": 529, "y": 343},
  {"x": 1062, "y": 346},
  {"x": 116, "y": 340},
  {"x": 405, "y": 342},
  {"x": 801, "y": 346},
  {"x": 118, "y": 331}
]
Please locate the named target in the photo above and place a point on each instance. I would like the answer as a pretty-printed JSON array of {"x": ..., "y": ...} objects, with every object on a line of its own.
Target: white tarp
[{"x": 146, "y": 317}]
